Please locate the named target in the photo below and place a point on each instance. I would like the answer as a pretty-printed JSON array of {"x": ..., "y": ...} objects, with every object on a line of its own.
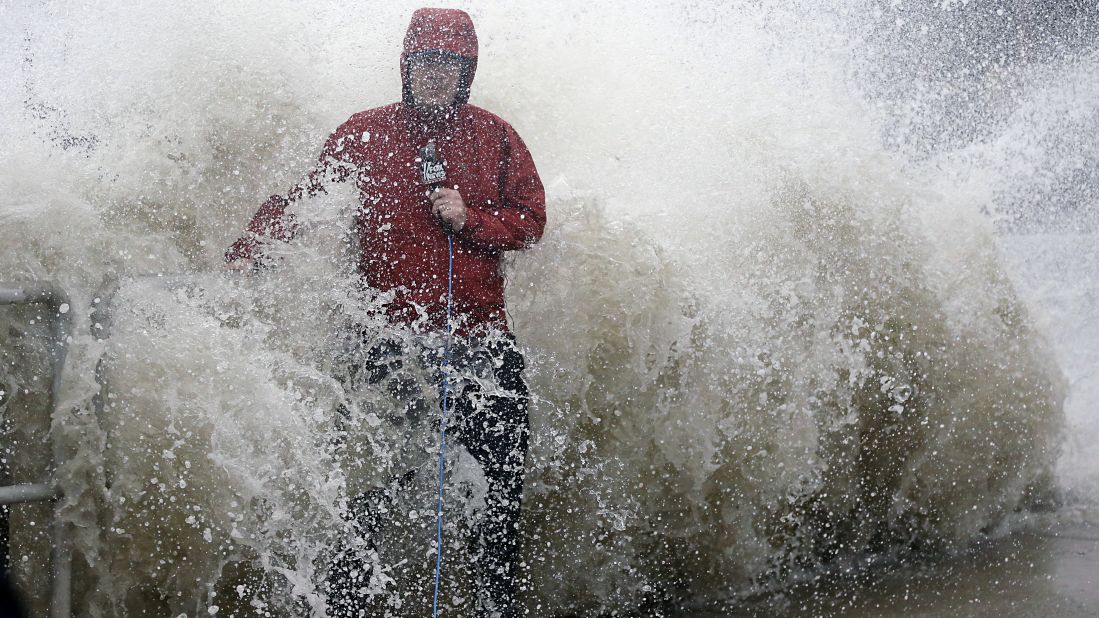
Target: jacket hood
[{"x": 449, "y": 31}]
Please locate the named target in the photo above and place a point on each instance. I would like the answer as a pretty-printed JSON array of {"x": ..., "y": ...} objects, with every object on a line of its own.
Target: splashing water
[{"x": 769, "y": 329}]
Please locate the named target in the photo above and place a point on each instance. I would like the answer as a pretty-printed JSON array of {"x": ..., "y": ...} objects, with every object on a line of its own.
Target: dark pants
[{"x": 487, "y": 414}]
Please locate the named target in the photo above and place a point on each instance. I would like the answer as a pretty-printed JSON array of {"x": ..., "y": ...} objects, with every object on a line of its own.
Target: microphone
[{"x": 432, "y": 172}]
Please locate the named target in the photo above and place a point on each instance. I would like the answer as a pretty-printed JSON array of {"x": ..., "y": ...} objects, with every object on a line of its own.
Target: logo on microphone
[{"x": 432, "y": 170}]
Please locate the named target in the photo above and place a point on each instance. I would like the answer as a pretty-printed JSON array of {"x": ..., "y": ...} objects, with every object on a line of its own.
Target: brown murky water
[{"x": 1051, "y": 573}]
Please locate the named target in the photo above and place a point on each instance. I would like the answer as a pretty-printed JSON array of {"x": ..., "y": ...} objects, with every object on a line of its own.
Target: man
[{"x": 491, "y": 201}]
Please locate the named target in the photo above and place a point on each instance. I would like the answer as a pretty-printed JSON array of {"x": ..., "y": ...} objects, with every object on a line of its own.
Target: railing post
[{"x": 60, "y": 317}]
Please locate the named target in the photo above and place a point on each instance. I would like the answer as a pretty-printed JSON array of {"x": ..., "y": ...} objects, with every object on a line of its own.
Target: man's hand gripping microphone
[{"x": 433, "y": 173}]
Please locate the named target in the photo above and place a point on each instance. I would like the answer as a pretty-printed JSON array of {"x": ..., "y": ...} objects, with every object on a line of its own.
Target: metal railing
[{"x": 58, "y": 313}]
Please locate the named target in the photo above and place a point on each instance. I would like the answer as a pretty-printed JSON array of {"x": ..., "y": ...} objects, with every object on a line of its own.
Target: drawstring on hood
[{"x": 446, "y": 31}]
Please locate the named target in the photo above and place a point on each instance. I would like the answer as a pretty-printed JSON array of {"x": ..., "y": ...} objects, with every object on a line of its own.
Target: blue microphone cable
[{"x": 442, "y": 427}]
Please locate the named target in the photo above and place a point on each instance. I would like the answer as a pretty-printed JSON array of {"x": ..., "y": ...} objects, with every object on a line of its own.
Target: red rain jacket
[{"x": 403, "y": 247}]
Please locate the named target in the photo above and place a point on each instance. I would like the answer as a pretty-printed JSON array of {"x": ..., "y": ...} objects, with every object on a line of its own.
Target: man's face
[{"x": 434, "y": 80}]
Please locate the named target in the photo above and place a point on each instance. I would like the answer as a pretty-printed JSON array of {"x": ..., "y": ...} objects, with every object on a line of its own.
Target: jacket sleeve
[
  {"x": 518, "y": 220},
  {"x": 271, "y": 221}
]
